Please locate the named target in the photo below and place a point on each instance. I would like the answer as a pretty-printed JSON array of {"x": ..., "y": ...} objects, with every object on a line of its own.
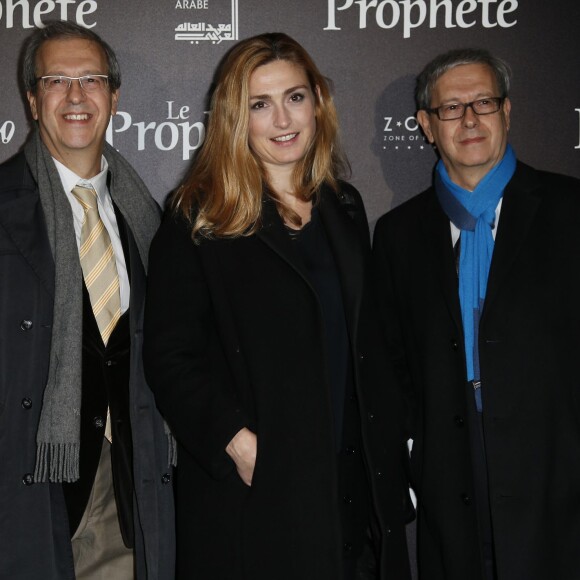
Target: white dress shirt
[{"x": 107, "y": 214}]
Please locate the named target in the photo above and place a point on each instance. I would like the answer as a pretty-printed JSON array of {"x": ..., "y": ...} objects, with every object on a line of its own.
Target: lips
[
  {"x": 285, "y": 138},
  {"x": 472, "y": 141}
]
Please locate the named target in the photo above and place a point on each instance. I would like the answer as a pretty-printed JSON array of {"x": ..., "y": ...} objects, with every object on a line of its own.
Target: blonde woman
[{"x": 262, "y": 345}]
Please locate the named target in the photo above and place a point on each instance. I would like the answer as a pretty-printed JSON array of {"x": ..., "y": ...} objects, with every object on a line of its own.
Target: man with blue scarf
[{"x": 479, "y": 279}]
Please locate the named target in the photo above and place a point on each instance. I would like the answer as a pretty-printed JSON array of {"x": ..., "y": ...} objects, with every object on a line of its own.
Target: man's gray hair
[
  {"x": 63, "y": 30},
  {"x": 444, "y": 62}
]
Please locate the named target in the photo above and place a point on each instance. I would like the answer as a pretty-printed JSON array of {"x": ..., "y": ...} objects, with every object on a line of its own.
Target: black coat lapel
[
  {"x": 273, "y": 233},
  {"x": 438, "y": 244},
  {"x": 348, "y": 252},
  {"x": 518, "y": 210},
  {"x": 124, "y": 235},
  {"x": 135, "y": 269}
]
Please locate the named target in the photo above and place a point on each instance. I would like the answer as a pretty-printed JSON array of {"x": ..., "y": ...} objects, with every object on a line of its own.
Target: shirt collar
[{"x": 70, "y": 179}]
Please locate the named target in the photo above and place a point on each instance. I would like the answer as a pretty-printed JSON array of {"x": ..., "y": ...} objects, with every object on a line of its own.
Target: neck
[
  {"x": 83, "y": 167},
  {"x": 281, "y": 182},
  {"x": 301, "y": 207},
  {"x": 85, "y": 163}
]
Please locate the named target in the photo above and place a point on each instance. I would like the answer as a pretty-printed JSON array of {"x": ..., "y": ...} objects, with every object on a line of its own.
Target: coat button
[
  {"x": 454, "y": 344},
  {"x": 26, "y": 403},
  {"x": 361, "y": 356},
  {"x": 349, "y": 450},
  {"x": 347, "y": 547},
  {"x": 165, "y": 478},
  {"x": 458, "y": 421},
  {"x": 27, "y": 479},
  {"x": 347, "y": 499},
  {"x": 466, "y": 499},
  {"x": 26, "y": 324},
  {"x": 110, "y": 363},
  {"x": 379, "y": 473},
  {"x": 371, "y": 417},
  {"x": 98, "y": 422}
]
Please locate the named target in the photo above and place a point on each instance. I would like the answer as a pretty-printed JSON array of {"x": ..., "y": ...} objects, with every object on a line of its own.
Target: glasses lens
[
  {"x": 486, "y": 106},
  {"x": 451, "y": 111},
  {"x": 55, "y": 84},
  {"x": 91, "y": 83}
]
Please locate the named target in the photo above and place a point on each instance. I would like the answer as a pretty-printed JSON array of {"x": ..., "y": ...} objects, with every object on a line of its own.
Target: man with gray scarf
[{"x": 85, "y": 485}]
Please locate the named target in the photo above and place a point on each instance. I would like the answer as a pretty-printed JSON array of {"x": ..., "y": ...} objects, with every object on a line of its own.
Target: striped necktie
[
  {"x": 99, "y": 270},
  {"x": 98, "y": 264}
]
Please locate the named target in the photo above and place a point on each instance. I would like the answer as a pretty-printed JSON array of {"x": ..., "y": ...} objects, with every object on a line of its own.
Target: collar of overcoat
[
  {"x": 22, "y": 218},
  {"x": 519, "y": 208},
  {"x": 345, "y": 242}
]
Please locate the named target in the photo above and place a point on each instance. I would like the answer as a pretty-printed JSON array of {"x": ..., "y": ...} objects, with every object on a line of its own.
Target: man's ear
[
  {"x": 31, "y": 96},
  {"x": 425, "y": 122},
  {"x": 506, "y": 108},
  {"x": 114, "y": 101}
]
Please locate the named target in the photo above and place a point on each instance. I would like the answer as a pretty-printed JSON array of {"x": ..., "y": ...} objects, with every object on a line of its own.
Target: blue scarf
[{"x": 473, "y": 212}]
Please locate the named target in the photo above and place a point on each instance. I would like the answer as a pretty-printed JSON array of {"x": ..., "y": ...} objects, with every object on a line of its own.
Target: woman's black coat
[{"x": 234, "y": 338}]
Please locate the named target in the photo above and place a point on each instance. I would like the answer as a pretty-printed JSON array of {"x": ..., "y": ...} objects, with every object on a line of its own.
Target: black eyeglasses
[
  {"x": 61, "y": 83},
  {"x": 453, "y": 111}
]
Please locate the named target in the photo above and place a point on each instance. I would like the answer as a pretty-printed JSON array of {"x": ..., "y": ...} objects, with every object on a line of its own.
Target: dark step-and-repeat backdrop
[{"x": 371, "y": 50}]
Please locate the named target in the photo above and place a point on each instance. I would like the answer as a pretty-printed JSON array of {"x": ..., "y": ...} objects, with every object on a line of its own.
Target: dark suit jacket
[
  {"x": 34, "y": 535},
  {"x": 105, "y": 383},
  {"x": 234, "y": 339},
  {"x": 529, "y": 344}
]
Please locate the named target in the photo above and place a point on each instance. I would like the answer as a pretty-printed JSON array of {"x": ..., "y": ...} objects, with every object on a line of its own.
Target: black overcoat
[
  {"x": 234, "y": 338},
  {"x": 34, "y": 526},
  {"x": 529, "y": 345}
]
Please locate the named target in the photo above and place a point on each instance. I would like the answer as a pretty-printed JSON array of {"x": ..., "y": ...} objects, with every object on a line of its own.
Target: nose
[
  {"x": 75, "y": 92},
  {"x": 470, "y": 118},
  {"x": 282, "y": 117}
]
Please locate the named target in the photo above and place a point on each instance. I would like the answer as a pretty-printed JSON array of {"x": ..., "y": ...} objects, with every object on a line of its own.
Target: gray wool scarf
[{"x": 58, "y": 435}]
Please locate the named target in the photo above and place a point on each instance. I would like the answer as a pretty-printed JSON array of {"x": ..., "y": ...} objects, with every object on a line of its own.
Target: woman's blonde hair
[{"x": 222, "y": 195}]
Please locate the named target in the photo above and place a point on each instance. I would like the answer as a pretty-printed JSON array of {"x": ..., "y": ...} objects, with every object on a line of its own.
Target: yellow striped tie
[{"x": 98, "y": 264}]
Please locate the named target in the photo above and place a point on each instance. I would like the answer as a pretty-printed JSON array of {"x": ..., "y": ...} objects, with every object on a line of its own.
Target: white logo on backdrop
[
  {"x": 410, "y": 14},
  {"x": 7, "y": 131},
  {"x": 176, "y": 132},
  {"x": 220, "y": 21},
  {"x": 578, "y": 111},
  {"x": 403, "y": 134},
  {"x": 30, "y": 13}
]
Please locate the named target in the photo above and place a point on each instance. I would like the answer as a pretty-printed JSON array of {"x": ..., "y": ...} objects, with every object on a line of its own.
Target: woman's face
[{"x": 282, "y": 115}]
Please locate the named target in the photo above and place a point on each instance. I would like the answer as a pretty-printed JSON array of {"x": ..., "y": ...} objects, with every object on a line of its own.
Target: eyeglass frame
[
  {"x": 71, "y": 79},
  {"x": 435, "y": 110}
]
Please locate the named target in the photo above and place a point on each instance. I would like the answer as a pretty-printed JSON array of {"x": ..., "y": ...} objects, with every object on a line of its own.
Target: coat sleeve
[
  {"x": 183, "y": 357},
  {"x": 390, "y": 317}
]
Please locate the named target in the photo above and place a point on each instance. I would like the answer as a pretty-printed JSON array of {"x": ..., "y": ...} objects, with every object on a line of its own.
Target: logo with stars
[{"x": 403, "y": 134}]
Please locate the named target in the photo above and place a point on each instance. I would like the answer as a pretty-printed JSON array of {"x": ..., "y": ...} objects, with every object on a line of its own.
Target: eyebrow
[
  {"x": 482, "y": 95},
  {"x": 289, "y": 91},
  {"x": 62, "y": 74}
]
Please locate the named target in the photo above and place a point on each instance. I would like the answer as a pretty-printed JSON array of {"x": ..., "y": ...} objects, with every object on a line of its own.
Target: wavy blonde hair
[{"x": 222, "y": 195}]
